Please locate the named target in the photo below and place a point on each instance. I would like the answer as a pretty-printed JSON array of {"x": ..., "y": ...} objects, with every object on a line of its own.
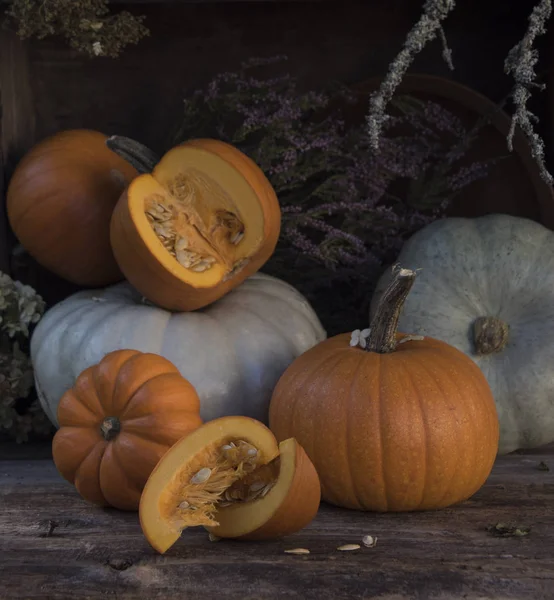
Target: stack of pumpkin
[
  {"x": 163, "y": 385},
  {"x": 180, "y": 329}
]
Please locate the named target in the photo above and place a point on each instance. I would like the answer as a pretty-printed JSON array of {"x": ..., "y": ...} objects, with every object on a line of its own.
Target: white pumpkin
[
  {"x": 486, "y": 286},
  {"x": 233, "y": 351}
]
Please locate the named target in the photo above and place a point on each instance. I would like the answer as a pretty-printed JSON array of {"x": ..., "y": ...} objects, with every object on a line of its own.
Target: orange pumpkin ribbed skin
[
  {"x": 60, "y": 201},
  {"x": 414, "y": 429},
  {"x": 155, "y": 407},
  {"x": 148, "y": 266}
]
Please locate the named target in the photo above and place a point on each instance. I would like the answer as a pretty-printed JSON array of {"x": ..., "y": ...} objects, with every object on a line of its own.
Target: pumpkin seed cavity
[
  {"x": 198, "y": 223},
  {"x": 224, "y": 474}
]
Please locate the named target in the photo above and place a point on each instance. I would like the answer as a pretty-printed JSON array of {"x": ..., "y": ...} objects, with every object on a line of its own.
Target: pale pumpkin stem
[
  {"x": 136, "y": 154},
  {"x": 490, "y": 335},
  {"x": 110, "y": 427},
  {"x": 382, "y": 336}
]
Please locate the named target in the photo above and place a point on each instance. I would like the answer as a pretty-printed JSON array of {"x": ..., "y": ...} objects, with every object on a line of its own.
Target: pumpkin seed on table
[
  {"x": 349, "y": 547},
  {"x": 369, "y": 541},
  {"x": 297, "y": 551}
]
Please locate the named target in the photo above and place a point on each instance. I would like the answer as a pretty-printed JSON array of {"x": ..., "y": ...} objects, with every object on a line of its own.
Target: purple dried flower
[{"x": 343, "y": 204}]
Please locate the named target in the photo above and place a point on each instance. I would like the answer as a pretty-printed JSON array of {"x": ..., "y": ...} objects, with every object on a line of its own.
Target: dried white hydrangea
[{"x": 20, "y": 308}]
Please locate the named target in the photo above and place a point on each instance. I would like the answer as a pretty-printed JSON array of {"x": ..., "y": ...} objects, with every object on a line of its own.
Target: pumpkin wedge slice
[
  {"x": 195, "y": 226},
  {"x": 232, "y": 478}
]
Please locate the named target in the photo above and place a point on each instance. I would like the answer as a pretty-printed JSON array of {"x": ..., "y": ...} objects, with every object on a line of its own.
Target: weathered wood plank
[{"x": 53, "y": 545}]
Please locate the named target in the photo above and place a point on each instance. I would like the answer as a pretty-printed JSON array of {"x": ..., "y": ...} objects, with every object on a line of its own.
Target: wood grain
[{"x": 53, "y": 545}]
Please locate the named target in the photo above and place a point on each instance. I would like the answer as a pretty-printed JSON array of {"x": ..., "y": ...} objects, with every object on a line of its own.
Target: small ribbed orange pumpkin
[
  {"x": 392, "y": 422},
  {"x": 194, "y": 224},
  {"x": 117, "y": 421}
]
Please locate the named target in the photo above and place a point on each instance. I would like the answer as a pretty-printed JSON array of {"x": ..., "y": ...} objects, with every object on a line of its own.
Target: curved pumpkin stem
[
  {"x": 382, "y": 336},
  {"x": 136, "y": 154}
]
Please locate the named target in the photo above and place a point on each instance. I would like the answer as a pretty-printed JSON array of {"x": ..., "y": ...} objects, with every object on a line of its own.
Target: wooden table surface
[{"x": 53, "y": 545}]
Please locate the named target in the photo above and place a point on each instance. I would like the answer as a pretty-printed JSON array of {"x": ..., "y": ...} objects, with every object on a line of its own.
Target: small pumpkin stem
[
  {"x": 382, "y": 337},
  {"x": 490, "y": 335},
  {"x": 110, "y": 427},
  {"x": 136, "y": 154}
]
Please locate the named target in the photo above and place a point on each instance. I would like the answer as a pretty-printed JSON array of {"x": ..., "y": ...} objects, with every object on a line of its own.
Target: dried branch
[
  {"x": 424, "y": 31},
  {"x": 520, "y": 63}
]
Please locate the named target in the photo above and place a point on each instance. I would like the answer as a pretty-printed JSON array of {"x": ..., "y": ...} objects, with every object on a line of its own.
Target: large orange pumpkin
[
  {"x": 116, "y": 423},
  {"x": 392, "y": 422},
  {"x": 60, "y": 201},
  {"x": 199, "y": 224}
]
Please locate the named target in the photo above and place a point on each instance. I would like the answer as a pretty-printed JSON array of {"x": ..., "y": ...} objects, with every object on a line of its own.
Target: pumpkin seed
[
  {"x": 184, "y": 505},
  {"x": 369, "y": 541},
  {"x": 297, "y": 551},
  {"x": 348, "y": 547},
  {"x": 257, "y": 486},
  {"x": 202, "y": 476}
]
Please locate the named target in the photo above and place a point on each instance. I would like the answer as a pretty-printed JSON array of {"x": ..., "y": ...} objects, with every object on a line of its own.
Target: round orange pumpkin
[
  {"x": 392, "y": 422},
  {"x": 60, "y": 201},
  {"x": 201, "y": 222},
  {"x": 116, "y": 423}
]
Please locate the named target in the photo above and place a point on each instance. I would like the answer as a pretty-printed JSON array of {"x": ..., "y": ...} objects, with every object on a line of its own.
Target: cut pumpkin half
[
  {"x": 197, "y": 224},
  {"x": 232, "y": 478}
]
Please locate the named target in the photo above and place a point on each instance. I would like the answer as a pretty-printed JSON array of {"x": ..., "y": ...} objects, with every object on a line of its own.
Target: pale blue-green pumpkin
[
  {"x": 232, "y": 351},
  {"x": 486, "y": 286}
]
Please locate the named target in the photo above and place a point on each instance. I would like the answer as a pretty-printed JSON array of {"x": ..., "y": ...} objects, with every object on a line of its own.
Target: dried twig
[
  {"x": 424, "y": 31},
  {"x": 520, "y": 63}
]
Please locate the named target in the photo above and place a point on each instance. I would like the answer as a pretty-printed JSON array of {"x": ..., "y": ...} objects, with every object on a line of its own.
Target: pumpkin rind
[
  {"x": 60, "y": 201},
  {"x": 410, "y": 429},
  {"x": 116, "y": 423},
  {"x": 496, "y": 266},
  {"x": 233, "y": 352},
  {"x": 150, "y": 268}
]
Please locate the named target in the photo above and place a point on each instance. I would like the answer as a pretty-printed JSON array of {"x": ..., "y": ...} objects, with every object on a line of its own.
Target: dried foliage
[
  {"x": 424, "y": 31},
  {"x": 520, "y": 63},
  {"x": 20, "y": 309},
  {"x": 87, "y": 25},
  {"x": 346, "y": 210}
]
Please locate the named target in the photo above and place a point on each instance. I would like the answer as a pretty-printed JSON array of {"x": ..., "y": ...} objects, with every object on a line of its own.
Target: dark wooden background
[{"x": 46, "y": 87}]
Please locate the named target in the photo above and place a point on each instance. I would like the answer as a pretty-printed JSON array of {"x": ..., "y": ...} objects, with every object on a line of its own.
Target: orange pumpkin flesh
[
  {"x": 60, "y": 201},
  {"x": 221, "y": 223},
  {"x": 410, "y": 427},
  {"x": 116, "y": 423},
  {"x": 255, "y": 489}
]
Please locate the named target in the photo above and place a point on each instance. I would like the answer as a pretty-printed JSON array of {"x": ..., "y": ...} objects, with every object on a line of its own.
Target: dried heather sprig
[
  {"x": 424, "y": 31},
  {"x": 346, "y": 211},
  {"x": 520, "y": 63}
]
